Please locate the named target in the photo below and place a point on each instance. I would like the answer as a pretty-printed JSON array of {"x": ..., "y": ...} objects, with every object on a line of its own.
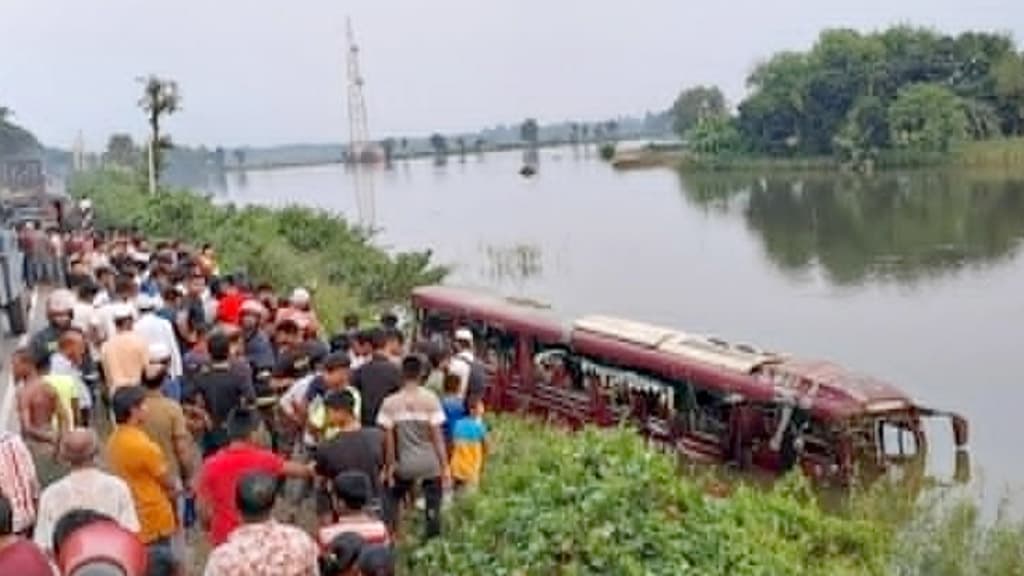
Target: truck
[{"x": 14, "y": 299}]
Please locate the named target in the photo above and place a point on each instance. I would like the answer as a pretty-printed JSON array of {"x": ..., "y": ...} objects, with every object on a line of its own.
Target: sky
[{"x": 264, "y": 72}]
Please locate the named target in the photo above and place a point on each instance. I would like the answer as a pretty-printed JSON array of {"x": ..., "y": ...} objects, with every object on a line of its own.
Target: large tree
[
  {"x": 1009, "y": 87},
  {"x": 693, "y": 104},
  {"x": 927, "y": 117},
  {"x": 160, "y": 97},
  {"x": 121, "y": 151},
  {"x": 14, "y": 139}
]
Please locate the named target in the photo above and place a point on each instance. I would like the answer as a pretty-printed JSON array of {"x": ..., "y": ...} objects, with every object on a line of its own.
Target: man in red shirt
[
  {"x": 219, "y": 474},
  {"x": 229, "y": 306}
]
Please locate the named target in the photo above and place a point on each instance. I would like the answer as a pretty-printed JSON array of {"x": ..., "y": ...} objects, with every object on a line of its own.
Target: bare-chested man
[{"x": 39, "y": 406}]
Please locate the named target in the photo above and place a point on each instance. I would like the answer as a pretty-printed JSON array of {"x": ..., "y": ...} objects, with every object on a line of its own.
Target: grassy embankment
[
  {"x": 1000, "y": 154},
  {"x": 602, "y": 502},
  {"x": 288, "y": 247}
]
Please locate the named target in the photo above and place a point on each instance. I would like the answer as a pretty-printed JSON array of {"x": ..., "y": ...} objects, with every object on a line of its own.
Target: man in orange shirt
[
  {"x": 126, "y": 353},
  {"x": 138, "y": 460}
]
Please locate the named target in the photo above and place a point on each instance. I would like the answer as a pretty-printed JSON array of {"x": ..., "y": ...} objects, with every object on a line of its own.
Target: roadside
[{"x": 9, "y": 343}]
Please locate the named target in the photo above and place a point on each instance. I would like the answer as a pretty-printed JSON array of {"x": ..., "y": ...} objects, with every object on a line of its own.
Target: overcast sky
[{"x": 273, "y": 71}]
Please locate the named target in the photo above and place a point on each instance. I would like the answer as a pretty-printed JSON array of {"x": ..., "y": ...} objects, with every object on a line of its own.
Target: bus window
[
  {"x": 896, "y": 439},
  {"x": 711, "y": 415}
]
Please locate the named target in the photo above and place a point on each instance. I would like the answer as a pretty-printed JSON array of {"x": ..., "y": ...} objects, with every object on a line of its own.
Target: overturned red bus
[{"x": 710, "y": 400}]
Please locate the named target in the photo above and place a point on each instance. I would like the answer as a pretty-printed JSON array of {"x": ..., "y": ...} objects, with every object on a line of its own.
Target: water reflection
[
  {"x": 511, "y": 264},
  {"x": 901, "y": 227}
]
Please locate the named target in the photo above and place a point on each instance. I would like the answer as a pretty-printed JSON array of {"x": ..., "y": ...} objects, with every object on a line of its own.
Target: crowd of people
[{"x": 168, "y": 408}]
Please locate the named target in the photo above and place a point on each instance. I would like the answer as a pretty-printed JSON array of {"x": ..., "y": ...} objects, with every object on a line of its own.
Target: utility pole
[
  {"x": 359, "y": 149},
  {"x": 152, "y": 166}
]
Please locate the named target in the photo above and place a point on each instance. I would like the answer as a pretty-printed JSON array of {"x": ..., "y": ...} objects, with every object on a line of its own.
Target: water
[{"x": 916, "y": 278}]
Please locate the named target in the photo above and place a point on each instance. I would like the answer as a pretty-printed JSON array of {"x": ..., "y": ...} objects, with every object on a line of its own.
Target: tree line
[{"x": 854, "y": 95}]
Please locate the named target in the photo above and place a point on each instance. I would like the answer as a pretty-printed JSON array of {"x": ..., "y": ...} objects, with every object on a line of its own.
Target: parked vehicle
[
  {"x": 707, "y": 399},
  {"x": 14, "y": 291}
]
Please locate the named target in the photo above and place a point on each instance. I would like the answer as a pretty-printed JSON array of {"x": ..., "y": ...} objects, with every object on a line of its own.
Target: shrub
[
  {"x": 294, "y": 246},
  {"x": 603, "y": 502}
]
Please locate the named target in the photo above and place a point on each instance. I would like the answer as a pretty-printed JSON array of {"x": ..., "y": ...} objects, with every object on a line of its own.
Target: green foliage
[
  {"x": 1009, "y": 86},
  {"x": 696, "y": 103},
  {"x": 926, "y": 117},
  {"x": 607, "y": 151},
  {"x": 715, "y": 135},
  {"x": 122, "y": 152},
  {"x": 14, "y": 139},
  {"x": 603, "y": 502},
  {"x": 834, "y": 98},
  {"x": 288, "y": 248}
]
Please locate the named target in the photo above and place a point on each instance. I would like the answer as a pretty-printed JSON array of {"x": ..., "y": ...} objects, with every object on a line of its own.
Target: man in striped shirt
[{"x": 18, "y": 481}]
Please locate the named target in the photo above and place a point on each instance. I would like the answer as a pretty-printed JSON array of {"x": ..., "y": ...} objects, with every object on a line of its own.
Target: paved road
[{"x": 8, "y": 413}]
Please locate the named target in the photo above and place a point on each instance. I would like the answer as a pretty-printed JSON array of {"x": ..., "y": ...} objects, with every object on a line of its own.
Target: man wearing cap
[
  {"x": 258, "y": 350},
  {"x": 125, "y": 291},
  {"x": 156, "y": 330},
  {"x": 125, "y": 354},
  {"x": 300, "y": 310},
  {"x": 463, "y": 361},
  {"x": 85, "y": 486},
  {"x": 59, "y": 306}
]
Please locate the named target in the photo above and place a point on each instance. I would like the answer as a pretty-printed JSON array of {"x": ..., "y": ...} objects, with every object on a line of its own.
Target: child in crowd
[
  {"x": 469, "y": 446},
  {"x": 454, "y": 406}
]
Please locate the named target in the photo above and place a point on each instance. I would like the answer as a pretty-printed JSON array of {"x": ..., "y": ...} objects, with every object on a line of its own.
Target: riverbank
[
  {"x": 1003, "y": 154},
  {"x": 286, "y": 247},
  {"x": 603, "y": 502}
]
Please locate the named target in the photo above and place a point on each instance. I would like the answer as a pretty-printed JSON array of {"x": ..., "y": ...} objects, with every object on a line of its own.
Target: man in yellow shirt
[{"x": 138, "y": 460}]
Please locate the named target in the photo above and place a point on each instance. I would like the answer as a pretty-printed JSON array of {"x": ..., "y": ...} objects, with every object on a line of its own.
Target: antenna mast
[{"x": 359, "y": 148}]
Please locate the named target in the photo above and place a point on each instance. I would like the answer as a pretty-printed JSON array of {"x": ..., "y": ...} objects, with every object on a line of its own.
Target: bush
[
  {"x": 291, "y": 247},
  {"x": 603, "y": 502}
]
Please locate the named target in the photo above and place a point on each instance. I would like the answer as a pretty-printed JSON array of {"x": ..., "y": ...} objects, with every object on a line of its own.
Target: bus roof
[
  {"x": 738, "y": 368},
  {"x": 833, "y": 383},
  {"x": 513, "y": 314},
  {"x": 756, "y": 374}
]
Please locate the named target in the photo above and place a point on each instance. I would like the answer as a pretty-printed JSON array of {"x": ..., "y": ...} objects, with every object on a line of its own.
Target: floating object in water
[{"x": 527, "y": 171}]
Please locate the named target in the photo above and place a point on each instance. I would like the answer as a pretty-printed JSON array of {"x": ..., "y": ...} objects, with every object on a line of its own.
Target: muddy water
[{"x": 917, "y": 278}]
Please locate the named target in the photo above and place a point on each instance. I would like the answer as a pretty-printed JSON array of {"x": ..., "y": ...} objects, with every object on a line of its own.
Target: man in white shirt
[
  {"x": 462, "y": 361},
  {"x": 158, "y": 330},
  {"x": 86, "y": 486}
]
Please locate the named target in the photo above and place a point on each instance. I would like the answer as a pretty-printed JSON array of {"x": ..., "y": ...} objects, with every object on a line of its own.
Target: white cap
[
  {"x": 61, "y": 300},
  {"x": 146, "y": 302},
  {"x": 121, "y": 311},
  {"x": 464, "y": 335},
  {"x": 299, "y": 296},
  {"x": 253, "y": 307},
  {"x": 158, "y": 352}
]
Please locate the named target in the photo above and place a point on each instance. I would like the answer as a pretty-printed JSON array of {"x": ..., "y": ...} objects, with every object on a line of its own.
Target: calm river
[{"x": 916, "y": 278}]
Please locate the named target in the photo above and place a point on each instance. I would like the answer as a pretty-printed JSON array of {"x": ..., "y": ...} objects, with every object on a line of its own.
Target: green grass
[
  {"x": 289, "y": 247},
  {"x": 603, "y": 502},
  {"x": 1003, "y": 153}
]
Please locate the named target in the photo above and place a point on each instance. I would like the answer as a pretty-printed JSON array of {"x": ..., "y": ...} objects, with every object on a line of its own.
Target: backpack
[{"x": 477, "y": 384}]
